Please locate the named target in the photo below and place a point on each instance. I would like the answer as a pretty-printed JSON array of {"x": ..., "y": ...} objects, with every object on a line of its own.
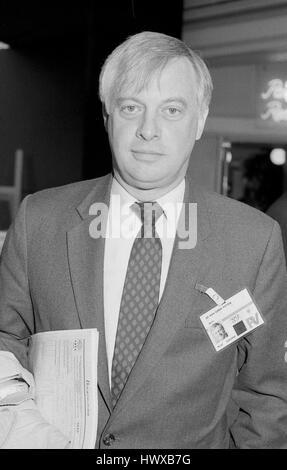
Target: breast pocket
[
  {"x": 202, "y": 306},
  {"x": 192, "y": 322}
]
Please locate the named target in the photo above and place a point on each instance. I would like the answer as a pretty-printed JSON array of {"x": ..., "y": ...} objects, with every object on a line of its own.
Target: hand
[{"x": 23, "y": 427}]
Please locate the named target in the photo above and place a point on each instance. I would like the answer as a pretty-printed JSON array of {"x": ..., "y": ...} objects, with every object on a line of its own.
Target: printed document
[{"x": 64, "y": 365}]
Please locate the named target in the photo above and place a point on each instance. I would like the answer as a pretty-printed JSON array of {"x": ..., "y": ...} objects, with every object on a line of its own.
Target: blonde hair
[{"x": 134, "y": 62}]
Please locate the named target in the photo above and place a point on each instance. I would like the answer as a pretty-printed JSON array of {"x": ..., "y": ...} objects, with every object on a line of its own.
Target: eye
[
  {"x": 129, "y": 109},
  {"x": 172, "y": 111}
]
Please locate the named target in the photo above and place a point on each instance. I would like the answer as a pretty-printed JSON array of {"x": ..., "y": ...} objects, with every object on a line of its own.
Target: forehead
[{"x": 176, "y": 79}]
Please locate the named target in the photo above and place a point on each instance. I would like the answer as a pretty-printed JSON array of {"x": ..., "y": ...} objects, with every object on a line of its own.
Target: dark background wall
[{"x": 41, "y": 111}]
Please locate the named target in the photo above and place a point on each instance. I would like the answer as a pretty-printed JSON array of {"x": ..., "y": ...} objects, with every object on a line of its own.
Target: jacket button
[{"x": 109, "y": 439}]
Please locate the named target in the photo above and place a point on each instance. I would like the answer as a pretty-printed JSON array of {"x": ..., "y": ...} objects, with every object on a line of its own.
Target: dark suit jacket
[
  {"x": 180, "y": 390},
  {"x": 278, "y": 211}
]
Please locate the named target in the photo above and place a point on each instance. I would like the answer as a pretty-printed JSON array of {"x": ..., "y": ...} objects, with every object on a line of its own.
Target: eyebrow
[
  {"x": 179, "y": 99},
  {"x": 127, "y": 98}
]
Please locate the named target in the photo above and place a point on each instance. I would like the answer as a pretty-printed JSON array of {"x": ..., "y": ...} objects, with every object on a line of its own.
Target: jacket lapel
[
  {"x": 187, "y": 267},
  {"x": 86, "y": 263}
]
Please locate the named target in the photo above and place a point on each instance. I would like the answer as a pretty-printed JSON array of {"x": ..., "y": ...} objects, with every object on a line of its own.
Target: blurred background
[{"x": 51, "y": 130}]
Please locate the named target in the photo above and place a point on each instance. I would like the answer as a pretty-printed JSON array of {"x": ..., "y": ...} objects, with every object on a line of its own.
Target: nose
[{"x": 148, "y": 127}]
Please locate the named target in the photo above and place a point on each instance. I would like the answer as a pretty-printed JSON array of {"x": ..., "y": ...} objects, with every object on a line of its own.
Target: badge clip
[{"x": 211, "y": 293}]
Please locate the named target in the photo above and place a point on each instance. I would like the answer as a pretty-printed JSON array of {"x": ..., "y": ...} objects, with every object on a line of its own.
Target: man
[
  {"x": 218, "y": 332},
  {"x": 278, "y": 211},
  {"x": 58, "y": 273}
]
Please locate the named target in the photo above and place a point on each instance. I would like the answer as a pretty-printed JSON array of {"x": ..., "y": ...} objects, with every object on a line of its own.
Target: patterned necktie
[{"x": 140, "y": 296}]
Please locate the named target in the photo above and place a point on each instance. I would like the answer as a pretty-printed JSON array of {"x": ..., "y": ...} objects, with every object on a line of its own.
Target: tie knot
[{"x": 149, "y": 213}]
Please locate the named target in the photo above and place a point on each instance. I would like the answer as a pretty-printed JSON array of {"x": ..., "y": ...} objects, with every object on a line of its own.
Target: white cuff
[{"x": 11, "y": 368}]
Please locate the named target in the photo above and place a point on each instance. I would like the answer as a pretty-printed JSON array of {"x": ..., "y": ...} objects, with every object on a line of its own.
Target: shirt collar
[
  {"x": 171, "y": 200},
  {"x": 118, "y": 190},
  {"x": 173, "y": 197}
]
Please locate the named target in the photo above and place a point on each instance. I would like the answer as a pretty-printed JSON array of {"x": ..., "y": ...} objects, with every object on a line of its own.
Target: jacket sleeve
[
  {"x": 21, "y": 426},
  {"x": 261, "y": 388},
  {"x": 278, "y": 211},
  {"x": 16, "y": 310}
]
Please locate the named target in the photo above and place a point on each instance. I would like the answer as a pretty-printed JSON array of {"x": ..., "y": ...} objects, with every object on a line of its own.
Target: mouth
[{"x": 147, "y": 155}]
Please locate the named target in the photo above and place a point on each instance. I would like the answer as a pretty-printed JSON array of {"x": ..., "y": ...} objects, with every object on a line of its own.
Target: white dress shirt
[{"x": 122, "y": 227}]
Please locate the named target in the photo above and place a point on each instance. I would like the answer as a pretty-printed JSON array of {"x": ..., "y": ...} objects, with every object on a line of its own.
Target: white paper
[{"x": 64, "y": 365}]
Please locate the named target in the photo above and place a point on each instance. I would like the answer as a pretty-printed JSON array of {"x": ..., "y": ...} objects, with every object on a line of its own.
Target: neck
[{"x": 150, "y": 194}]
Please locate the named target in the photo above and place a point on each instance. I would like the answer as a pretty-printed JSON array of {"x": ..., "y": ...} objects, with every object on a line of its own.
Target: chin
[{"x": 145, "y": 182}]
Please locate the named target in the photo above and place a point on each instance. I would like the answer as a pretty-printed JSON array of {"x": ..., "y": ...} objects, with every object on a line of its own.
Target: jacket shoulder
[
  {"x": 236, "y": 213},
  {"x": 57, "y": 207},
  {"x": 65, "y": 197},
  {"x": 233, "y": 209}
]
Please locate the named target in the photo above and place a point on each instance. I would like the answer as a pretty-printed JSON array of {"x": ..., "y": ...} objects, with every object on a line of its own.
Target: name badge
[{"x": 231, "y": 320}]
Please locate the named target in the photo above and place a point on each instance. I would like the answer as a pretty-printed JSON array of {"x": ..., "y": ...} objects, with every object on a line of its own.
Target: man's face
[
  {"x": 218, "y": 333},
  {"x": 152, "y": 132}
]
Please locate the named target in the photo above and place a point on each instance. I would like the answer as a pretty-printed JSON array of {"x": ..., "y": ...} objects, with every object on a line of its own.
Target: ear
[
  {"x": 201, "y": 123},
  {"x": 105, "y": 117}
]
